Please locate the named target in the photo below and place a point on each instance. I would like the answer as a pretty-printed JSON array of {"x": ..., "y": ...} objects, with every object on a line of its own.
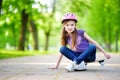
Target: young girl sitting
[{"x": 82, "y": 48}]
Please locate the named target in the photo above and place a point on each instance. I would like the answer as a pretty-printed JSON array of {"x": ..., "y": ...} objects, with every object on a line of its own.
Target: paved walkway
[{"x": 36, "y": 68}]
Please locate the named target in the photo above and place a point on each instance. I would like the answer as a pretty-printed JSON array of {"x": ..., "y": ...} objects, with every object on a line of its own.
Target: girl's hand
[
  {"x": 107, "y": 56},
  {"x": 53, "y": 67}
]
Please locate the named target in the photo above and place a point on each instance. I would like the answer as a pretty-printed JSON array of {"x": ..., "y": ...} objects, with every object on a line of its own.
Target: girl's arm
[
  {"x": 58, "y": 62},
  {"x": 97, "y": 45}
]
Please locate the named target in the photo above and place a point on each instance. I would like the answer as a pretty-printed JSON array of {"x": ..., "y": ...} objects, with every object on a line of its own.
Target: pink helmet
[{"x": 69, "y": 16}]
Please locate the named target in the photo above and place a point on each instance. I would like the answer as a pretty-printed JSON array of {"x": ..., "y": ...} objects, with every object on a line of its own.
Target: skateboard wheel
[{"x": 102, "y": 63}]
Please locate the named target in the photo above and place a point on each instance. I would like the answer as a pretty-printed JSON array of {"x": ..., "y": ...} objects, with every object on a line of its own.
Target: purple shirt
[{"x": 81, "y": 42}]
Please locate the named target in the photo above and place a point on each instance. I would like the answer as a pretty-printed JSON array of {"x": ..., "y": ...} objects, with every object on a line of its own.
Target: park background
[{"x": 33, "y": 27}]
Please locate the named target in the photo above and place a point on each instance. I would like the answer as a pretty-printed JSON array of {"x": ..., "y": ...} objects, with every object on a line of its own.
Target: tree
[
  {"x": 105, "y": 21},
  {"x": 47, "y": 21},
  {"x": 34, "y": 31},
  {"x": 24, "y": 20}
]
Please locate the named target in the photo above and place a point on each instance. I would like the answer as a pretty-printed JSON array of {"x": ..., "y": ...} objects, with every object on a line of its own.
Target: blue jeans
[{"x": 88, "y": 55}]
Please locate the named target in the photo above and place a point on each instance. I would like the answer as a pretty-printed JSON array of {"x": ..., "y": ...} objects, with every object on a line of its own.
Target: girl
[{"x": 82, "y": 48}]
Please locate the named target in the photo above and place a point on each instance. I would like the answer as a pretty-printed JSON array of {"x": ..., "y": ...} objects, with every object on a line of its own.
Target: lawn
[{"x": 14, "y": 53}]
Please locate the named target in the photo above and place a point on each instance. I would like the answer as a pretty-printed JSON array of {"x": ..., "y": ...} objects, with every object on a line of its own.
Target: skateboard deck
[{"x": 101, "y": 61}]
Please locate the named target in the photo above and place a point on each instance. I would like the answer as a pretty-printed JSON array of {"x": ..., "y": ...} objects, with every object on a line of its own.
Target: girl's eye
[
  {"x": 72, "y": 24},
  {"x": 67, "y": 25}
]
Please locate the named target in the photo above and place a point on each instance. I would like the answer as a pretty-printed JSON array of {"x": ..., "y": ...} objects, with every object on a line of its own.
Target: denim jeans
[{"x": 88, "y": 55}]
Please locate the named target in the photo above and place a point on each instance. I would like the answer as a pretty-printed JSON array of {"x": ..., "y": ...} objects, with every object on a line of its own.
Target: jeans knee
[
  {"x": 93, "y": 47},
  {"x": 62, "y": 49}
]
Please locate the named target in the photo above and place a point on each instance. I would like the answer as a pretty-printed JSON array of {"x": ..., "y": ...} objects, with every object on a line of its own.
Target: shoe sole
[{"x": 80, "y": 70}]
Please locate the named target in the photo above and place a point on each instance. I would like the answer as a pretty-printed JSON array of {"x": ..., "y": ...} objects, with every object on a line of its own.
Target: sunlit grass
[{"x": 14, "y": 53}]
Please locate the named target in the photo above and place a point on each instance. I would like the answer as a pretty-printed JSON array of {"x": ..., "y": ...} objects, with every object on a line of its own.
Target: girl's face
[{"x": 70, "y": 26}]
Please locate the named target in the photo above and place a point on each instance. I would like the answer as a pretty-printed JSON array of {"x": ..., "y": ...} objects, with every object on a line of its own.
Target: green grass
[{"x": 14, "y": 53}]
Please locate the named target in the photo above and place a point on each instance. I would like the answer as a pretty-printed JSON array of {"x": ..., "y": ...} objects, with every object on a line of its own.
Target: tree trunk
[
  {"x": 47, "y": 41},
  {"x": 14, "y": 37},
  {"x": 109, "y": 37},
  {"x": 35, "y": 34},
  {"x": 24, "y": 20},
  {"x": 117, "y": 37}
]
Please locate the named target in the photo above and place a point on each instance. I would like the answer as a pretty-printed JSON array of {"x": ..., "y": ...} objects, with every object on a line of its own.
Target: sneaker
[
  {"x": 80, "y": 66},
  {"x": 70, "y": 67}
]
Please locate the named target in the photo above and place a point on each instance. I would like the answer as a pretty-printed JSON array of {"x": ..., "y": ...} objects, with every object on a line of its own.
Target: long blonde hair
[{"x": 64, "y": 36}]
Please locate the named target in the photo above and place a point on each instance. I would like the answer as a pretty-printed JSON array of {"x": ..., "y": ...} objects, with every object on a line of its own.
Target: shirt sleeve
[{"x": 81, "y": 32}]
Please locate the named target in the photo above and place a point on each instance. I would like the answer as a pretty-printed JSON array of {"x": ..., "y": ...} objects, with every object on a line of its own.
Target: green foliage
[
  {"x": 104, "y": 20},
  {"x": 99, "y": 18}
]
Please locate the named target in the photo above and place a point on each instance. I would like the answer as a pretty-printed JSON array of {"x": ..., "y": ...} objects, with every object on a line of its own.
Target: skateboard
[{"x": 100, "y": 61}]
